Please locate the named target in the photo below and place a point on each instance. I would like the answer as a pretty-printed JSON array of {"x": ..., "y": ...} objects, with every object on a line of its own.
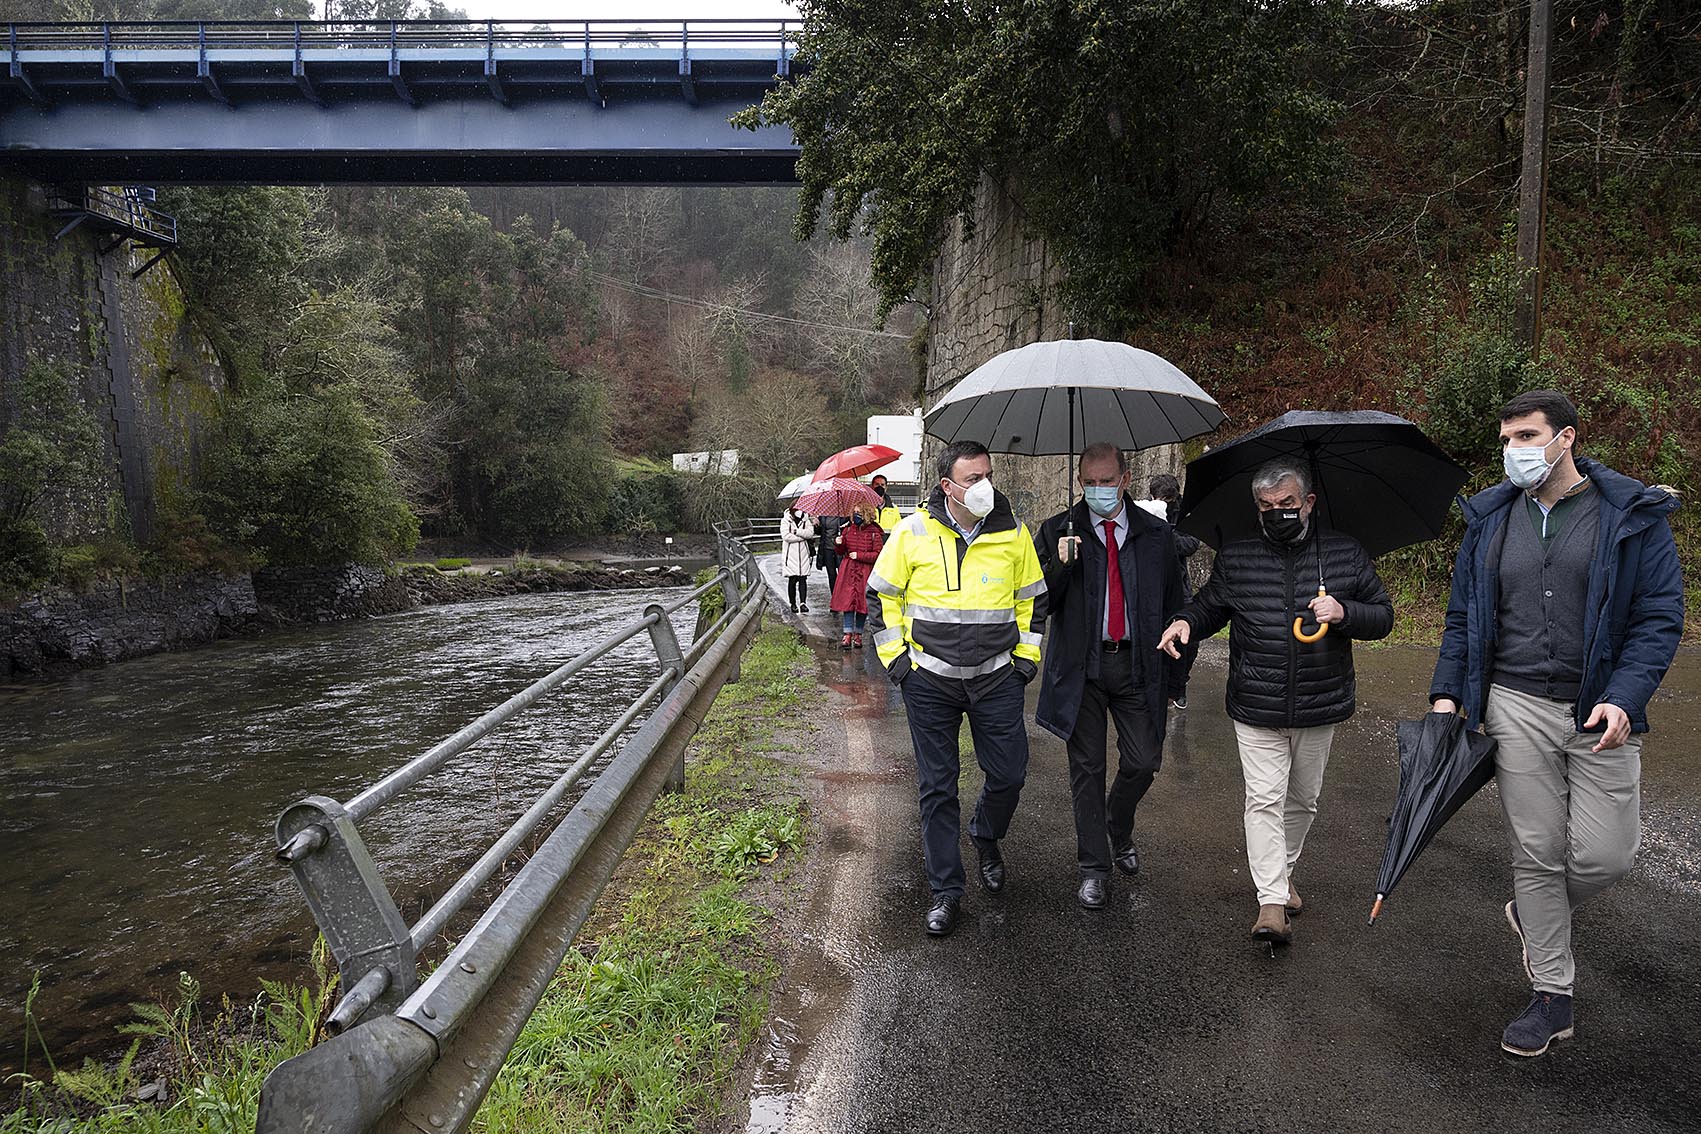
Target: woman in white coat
[{"x": 797, "y": 555}]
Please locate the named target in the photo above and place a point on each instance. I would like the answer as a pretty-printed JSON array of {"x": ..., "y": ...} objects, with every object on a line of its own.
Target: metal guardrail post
[
  {"x": 668, "y": 653},
  {"x": 351, "y": 905}
]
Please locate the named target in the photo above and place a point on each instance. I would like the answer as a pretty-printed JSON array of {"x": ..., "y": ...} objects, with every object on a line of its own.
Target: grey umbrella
[
  {"x": 1043, "y": 398},
  {"x": 796, "y": 486},
  {"x": 1047, "y": 397}
]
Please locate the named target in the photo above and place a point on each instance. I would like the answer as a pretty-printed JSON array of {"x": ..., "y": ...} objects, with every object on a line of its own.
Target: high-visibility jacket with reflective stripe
[
  {"x": 955, "y": 608},
  {"x": 890, "y": 518}
]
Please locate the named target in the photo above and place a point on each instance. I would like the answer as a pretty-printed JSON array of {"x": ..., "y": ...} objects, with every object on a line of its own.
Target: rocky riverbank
[{"x": 56, "y": 632}]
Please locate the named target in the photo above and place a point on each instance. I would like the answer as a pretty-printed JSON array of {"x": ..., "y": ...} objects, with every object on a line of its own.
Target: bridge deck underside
[{"x": 548, "y": 114}]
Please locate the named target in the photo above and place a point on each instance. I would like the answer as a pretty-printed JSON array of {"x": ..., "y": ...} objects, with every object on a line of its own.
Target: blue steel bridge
[{"x": 465, "y": 102}]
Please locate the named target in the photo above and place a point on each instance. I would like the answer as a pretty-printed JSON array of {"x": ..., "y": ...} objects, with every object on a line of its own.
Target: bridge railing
[
  {"x": 127, "y": 209},
  {"x": 412, "y": 1055},
  {"x": 670, "y": 35}
]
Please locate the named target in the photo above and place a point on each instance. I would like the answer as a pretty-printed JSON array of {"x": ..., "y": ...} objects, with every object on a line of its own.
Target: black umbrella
[
  {"x": 1441, "y": 766},
  {"x": 1377, "y": 478}
]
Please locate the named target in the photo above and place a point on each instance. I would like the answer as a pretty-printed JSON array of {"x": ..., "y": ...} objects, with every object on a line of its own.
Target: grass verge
[
  {"x": 640, "y": 1029},
  {"x": 645, "y": 1021}
]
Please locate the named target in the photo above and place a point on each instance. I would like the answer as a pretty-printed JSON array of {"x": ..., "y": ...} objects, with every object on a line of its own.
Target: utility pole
[{"x": 1532, "y": 191}]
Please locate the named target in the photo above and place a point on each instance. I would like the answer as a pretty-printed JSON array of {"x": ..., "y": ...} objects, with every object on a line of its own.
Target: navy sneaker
[
  {"x": 1548, "y": 1018},
  {"x": 1518, "y": 928}
]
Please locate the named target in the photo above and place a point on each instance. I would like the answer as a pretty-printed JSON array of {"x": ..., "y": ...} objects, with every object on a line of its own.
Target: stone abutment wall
[{"x": 124, "y": 348}]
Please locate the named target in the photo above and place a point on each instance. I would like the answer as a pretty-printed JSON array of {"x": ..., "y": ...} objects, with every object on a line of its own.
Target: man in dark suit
[{"x": 1111, "y": 587}]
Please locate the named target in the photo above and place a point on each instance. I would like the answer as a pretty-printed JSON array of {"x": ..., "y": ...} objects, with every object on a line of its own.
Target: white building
[
  {"x": 722, "y": 461},
  {"x": 901, "y": 431}
]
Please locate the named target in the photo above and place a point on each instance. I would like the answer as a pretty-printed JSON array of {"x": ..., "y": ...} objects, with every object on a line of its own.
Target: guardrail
[{"x": 411, "y": 1055}]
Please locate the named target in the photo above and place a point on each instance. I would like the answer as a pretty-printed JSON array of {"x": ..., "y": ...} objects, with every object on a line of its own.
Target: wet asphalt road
[{"x": 1159, "y": 1014}]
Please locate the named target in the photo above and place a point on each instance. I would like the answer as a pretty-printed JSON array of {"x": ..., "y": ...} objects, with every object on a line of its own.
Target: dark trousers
[
  {"x": 1115, "y": 695},
  {"x": 797, "y": 589},
  {"x": 1189, "y": 655},
  {"x": 830, "y": 560},
  {"x": 936, "y": 707}
]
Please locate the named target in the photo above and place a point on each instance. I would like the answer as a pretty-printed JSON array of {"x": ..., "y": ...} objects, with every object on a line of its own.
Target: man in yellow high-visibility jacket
[
  {"x": 956, "y": 604},
  {"x": 890, "y": 517}
]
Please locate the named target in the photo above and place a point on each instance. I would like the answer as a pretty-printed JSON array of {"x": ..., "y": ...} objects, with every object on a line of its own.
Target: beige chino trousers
[
  {"x": 1573, "y": 820},
  {"x": 1283, "y": 769}
]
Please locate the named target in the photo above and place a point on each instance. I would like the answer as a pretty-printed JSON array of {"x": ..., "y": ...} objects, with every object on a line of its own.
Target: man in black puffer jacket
[{"x": 1285, "y": 694}]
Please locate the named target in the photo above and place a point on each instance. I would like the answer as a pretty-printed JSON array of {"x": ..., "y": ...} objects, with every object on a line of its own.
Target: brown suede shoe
[
  {"x": 1272, "y": 925},
  {"x": 1294, "y": 905}
]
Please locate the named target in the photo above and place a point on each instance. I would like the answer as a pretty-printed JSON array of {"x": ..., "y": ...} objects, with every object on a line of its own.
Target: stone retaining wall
[
  {"x": 61, "y": 630},
  {"x": 329, "y": 594}
]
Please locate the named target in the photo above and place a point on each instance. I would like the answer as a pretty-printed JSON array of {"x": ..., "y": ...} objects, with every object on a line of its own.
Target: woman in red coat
[{"x": 858, "y": 545}]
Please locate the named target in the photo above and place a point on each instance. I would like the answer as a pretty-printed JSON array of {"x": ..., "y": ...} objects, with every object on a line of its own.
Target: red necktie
[{"x": 1116, "y": 627}]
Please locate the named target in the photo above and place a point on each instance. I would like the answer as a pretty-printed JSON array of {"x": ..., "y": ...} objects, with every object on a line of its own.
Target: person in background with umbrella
[
  {"x": 957, "y": 604},
  {"x": 1567, "y": 609},
  {"x": 1107, "y": 597},
  {"x": 890, "y": 517},
  {"x": 797, "y": 531},
  {"x": 1166, "y": 488},
  {"x": 1286, "y": 693},
  {"x": 827, "y": 548},
  {"x": 859, "y": 543}
]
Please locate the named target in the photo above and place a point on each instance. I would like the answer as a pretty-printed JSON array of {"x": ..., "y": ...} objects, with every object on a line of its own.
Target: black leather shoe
[
  {"x": 1126, "y": 858},
  {"x": 991, "y": 865},
  {"x": 942, "y": 918},
  {"x": 1092, "y": 893}
]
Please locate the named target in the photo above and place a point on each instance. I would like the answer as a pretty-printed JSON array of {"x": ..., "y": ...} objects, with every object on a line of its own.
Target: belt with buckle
[{"x": 1115, "y": 647}]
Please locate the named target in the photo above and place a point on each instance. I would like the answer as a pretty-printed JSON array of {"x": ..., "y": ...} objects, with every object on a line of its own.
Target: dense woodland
[{"x": 1302, "y": 203}]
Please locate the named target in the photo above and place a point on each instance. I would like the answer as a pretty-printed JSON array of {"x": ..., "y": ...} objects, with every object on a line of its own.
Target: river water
[{"x": 136, "y": 833}]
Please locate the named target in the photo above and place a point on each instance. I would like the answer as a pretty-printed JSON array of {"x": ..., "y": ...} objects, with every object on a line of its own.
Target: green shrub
[
  {"x": 26, "y": 560},
  {"x": 184, "y": 542},
  {"x": 451, "y": 564},
  {"x": 300, "y": 478},
  {"x": 646, "y": 500}
]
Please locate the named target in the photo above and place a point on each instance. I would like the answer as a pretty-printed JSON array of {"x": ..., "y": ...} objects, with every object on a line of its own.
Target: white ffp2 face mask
[
  {"x": 977, "y": 497},
  {"x": 1527, "y": 466}
]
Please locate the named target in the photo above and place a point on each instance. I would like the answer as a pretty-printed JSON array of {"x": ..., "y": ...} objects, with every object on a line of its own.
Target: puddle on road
[{"x": 772, "y": 1090}]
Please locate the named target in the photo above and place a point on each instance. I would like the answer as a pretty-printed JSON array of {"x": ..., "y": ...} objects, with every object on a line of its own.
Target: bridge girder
[{"x": 292, "y": 104}]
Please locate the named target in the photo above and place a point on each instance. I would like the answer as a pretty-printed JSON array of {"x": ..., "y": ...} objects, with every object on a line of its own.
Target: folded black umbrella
[
  {"x": 1377, "y": 478},
  {"x": 1441, "y": 766}
]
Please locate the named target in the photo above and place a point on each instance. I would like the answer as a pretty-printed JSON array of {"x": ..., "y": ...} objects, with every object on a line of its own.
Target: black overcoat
[{"x": 1075, "y": 594}]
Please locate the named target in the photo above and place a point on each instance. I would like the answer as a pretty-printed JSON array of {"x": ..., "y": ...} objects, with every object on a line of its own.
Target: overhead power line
[{"x": 709, "y": 305}]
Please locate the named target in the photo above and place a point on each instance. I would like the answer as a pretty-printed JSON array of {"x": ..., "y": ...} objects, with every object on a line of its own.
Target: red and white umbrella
[
  {"x": 856, "y": 461},
  {"x": 836, "y": 497}
]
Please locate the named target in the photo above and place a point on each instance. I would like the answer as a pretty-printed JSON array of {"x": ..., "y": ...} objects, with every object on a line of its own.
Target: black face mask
[{"x": 1282, "y": 525}]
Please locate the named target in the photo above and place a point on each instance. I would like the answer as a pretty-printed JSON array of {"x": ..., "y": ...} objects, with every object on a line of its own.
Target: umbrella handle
[
  {"x": 1376, "y": 910},
  {"x": 1322, "y": 627}
]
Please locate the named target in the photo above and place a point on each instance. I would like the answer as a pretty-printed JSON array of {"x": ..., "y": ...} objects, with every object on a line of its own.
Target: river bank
[
  {"x": 644, "y": 1024},
  {"x": 56, "y": 633}
]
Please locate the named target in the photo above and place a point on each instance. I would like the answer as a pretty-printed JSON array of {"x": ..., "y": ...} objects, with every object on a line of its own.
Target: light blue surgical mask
[{"x": 1103, "y": 499}]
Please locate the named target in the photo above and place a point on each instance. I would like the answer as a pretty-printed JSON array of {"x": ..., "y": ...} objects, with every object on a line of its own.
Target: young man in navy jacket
[{"x": 1567, "y": 609}]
